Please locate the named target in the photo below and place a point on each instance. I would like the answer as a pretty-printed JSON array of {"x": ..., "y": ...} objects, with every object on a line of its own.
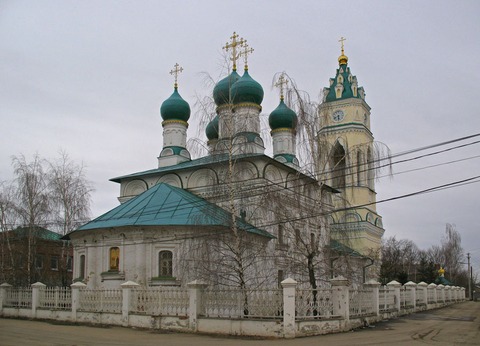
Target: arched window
[
  {"x": 114, "y": 259},
  {"x": 370, "y": 169},
  {"x": 82, "y": 267},
  {"x": 165, "y": 263},
  {"x": 359, "y": 168},
  {"x": 338, "y": 166}
]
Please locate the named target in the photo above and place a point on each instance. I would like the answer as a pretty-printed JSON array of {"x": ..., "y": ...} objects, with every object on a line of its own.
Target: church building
[{"x": 238, "y": 217}]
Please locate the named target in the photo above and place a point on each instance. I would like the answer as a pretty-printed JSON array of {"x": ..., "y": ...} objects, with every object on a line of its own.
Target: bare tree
[
  {"x": 69, "y": 191},
  {"x": 43, "y": 195},
  {"x": 31, "y": 202}
]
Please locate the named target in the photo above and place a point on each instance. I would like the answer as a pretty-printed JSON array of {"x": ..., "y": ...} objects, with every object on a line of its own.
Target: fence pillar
[
  {"x": 4, "y": 288},
  {"x": 289, "y": 289},
  {"x": 447, "y": 294},
  {"x": 411, "y": 288},
  {"x": 463, "y": 295},
  {"x": 423, "y": 286},
  {"x": 195, "y": 292},
  {"x": 433, "y": 288},
  {"x": 441, "y": 294},
  {"x": 396, "y": 295},
  {"x": 76, "y": 287},
  {"x": 340, "y": 297},
  {"x": 36, "y": 287},
  {"x": 127, "y": 288},
  {"x": 374, "y": 285}
]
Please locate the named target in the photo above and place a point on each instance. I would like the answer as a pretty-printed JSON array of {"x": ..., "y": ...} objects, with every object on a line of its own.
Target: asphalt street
[{"x": 458, "y": 324}]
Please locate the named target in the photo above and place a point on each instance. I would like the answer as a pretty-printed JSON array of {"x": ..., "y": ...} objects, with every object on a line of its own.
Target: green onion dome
[
  {"x": 246, "y": 89},
  {"x": 221, "y": 91},
  {"x": 175, "y": 108},
  {"x": 212, "y": 129},
  {"x": 282, "y": 117}
]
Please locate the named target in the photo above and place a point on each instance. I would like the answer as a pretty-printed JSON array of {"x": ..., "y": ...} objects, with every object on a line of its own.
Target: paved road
[{"x": 455, "y": 325}]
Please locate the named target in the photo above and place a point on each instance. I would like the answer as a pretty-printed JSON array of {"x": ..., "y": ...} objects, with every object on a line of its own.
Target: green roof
[
  {"x": 166, "y": 205},
  {"x": 343, "y": 249},
  {"x": 347, "y": 93},
  {"x": 204, "y": 161},
  {"x": 282, "y": 117},
  {"x": 38, "y": 232},
  {"x": 175, "y": 108}
]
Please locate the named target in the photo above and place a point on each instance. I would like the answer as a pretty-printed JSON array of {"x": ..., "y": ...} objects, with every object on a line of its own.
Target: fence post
[
  {"x": 423, "y": 287},
  {"x": 447, "y": 293},
  {"x": 76, "y": 287},
  {"x": 411, "y": 289},
  {"x": 36, "y": 287},
  {"x": 126, "y": 298},
  {"x": 463, "y": 295},
  {"x": 340, "y": 298},
  {"x": 289, "y": 287},
  {"x": 4, "y": 288},
  {"x": 195, "y": 293},
  {"x": 433, "y": 287},
  {"x": 441, "y": 294},
  {"x": 396, "y": 295},
  {"x": 374, "y": 285}
]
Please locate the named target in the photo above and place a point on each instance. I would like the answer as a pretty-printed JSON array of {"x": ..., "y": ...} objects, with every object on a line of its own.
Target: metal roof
[
  {"x": 166, "y": 205},
  {"x": 204, "y": 161}
]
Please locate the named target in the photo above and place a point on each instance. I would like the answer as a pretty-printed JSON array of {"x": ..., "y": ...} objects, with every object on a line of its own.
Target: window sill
[
  {"x": 164, "y": 281},
  {"x": 113, "y": 275}
]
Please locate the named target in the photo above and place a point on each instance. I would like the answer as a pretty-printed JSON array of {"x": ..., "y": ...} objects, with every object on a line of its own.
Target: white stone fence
[{"x": 286, "y": 313}]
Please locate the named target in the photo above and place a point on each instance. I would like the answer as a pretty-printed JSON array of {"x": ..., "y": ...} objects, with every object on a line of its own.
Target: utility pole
[{"x": 469, "y": 273}]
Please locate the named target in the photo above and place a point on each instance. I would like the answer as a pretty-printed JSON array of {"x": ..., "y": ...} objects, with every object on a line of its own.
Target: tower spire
[
  {"x": 342, "y": 59},
  {"x": 175, "y": 72},
  {"x": 233, "y": 45}
]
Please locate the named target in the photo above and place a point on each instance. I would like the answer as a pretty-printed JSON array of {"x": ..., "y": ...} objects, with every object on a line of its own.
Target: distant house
[{"x": 49, "y": 260}]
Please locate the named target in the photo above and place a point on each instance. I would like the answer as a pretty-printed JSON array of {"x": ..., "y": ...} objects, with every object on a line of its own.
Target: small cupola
[
  {"x": 175, "y": 107},
  {"x": 283, "y": 122}
]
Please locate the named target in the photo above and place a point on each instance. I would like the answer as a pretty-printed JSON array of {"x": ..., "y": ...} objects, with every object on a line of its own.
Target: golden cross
[
  {"x": 245, "y": 53},
  {"x": 175, "y": 72},
  {"x": 233, "y": 44},
  {"x": 281, "y": 83},
  {"x": 341, "y": 41}
]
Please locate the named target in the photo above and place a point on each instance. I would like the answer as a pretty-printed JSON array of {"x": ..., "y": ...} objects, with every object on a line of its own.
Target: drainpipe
[{"x": 365, "y": 267}]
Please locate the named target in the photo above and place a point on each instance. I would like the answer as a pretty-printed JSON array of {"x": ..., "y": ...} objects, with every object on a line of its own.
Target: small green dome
[
  {"x": 175, "y": 108},
  {"x": 212, "y": 129},
  {"x": 282, "y": 117},
  {"x": 247, "y": 90},
  {"x": 221, "y": 91}
]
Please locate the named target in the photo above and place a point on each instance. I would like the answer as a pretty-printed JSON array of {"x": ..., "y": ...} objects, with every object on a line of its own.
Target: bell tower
[{"x": 348, "y": 162}]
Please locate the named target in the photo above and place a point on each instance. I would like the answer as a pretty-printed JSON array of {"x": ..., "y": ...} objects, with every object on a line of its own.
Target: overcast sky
[{"x": 88, "y": 77}]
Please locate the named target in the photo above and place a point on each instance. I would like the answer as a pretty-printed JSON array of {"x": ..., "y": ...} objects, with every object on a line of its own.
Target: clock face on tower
[{"x": 338, "y": 115}]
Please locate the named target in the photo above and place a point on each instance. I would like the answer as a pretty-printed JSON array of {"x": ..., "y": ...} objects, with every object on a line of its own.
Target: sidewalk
[{"x": 458, "y": 324}]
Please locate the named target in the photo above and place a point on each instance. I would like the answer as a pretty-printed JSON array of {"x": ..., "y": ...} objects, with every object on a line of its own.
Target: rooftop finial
[
  {"x": 233, "y": 44},
  {"x": 245, "y": 51},
  {"x": 342, "y": 59},
  {"x": 175, "y": 72},
  {"x": 281, "y": 84}
]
